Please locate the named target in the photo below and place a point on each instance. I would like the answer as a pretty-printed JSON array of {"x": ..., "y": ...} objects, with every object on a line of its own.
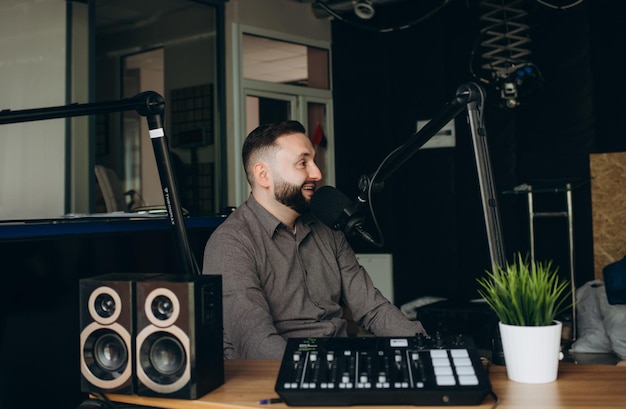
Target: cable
[
  {"x": 101, "y": 401},
  {"x": 369, "y": 196},
  {"x": 564, "y": 7},
  {"x": 497, "y": 402}
]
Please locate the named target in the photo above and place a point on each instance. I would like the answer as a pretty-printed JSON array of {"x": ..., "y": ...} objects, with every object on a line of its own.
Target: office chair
[{"x": 113, "y": 192}]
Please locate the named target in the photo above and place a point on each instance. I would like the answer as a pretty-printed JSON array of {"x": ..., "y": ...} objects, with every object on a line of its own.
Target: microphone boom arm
[
  {"x": 150, "y": 105},
  {"x": 465, "y": 95},
  {"x": 469, "y": 96},
  {"x": 145, "y": 103}
]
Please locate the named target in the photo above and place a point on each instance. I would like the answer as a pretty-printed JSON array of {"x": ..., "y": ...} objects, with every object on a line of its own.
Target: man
[{"x": 285, "y": 274}]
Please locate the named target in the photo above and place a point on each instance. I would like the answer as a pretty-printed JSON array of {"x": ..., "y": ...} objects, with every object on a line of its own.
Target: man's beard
[{"x": 292, "y": 197}]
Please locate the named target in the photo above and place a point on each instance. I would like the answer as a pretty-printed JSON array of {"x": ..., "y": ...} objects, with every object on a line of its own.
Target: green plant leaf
[{"x": 525, "y": 292}]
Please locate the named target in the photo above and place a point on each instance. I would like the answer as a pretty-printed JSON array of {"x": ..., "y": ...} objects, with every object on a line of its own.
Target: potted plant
[{"x": 527, "y": 297}]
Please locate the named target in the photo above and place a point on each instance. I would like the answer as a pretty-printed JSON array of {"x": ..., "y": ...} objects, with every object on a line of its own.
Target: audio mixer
[{"x": 416, "y": 370}]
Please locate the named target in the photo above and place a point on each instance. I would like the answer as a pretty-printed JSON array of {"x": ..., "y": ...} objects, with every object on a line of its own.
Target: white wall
[
  {"x": 32, "y": 75},
  {"x": 380, "y": 269},
  {"x": 284, "y": 16}
]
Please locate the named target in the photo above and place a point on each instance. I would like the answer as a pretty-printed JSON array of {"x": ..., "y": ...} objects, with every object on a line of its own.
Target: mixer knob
[
  {"x": 439, "y": 340},
  {"x": 420, "y": 340}
]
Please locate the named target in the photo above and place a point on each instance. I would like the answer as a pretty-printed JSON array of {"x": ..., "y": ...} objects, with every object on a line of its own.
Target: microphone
[{"x": 335, "y": 210}]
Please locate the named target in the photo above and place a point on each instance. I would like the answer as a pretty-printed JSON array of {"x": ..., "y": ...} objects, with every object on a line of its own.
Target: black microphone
[{"x": 335, "y": 210}]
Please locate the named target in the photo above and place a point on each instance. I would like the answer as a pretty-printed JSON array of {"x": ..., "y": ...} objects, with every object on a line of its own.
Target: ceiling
[
  {"x": 120, "y": 15},
  {"x": 264, "y": 59}
]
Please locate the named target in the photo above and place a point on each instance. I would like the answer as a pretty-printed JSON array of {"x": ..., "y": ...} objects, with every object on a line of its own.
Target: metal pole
[
  {"x": 570, "y": 227},
  {"x": 531, "y": 223}
]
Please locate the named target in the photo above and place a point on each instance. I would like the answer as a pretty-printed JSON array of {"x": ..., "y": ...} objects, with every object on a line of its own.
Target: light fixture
[
  {"x": 363, "y": 9},
  {"x": 505, "y": 53}
]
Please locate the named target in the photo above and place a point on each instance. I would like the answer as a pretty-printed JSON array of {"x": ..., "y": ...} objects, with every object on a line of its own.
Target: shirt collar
[{"x": 270, "y": 223}]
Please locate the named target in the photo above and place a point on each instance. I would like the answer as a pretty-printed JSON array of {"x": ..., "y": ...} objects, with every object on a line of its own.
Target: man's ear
[{"x": 261, "y": 174}]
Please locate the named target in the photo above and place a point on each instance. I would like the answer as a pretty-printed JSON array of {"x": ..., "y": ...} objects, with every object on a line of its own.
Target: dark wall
[{"x": 430, "y": 209}]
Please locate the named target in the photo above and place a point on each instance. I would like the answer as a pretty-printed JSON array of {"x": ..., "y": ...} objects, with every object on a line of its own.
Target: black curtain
[{"x": 430, "y": 210}]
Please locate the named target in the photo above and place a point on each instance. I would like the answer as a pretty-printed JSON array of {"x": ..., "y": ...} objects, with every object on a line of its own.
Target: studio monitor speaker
[
  {"x": 179, "y": 351},
  {"x": 107, "y": 308}
]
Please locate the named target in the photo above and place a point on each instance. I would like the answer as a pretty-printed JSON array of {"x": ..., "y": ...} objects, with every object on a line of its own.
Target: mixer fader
[{"x": 382, "y": 370}]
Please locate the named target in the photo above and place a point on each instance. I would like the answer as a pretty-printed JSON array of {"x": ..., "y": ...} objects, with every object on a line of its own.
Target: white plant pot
[{"x": 531, "y": 354}]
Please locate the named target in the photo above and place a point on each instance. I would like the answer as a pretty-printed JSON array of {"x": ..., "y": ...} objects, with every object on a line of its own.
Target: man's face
[{"x": 295, "y": 172}]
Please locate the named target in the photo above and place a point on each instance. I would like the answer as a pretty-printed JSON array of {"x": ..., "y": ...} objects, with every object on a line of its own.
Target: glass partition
[
  {"x": 59, "y": 53},
  {"x": 174, "y": 48}
]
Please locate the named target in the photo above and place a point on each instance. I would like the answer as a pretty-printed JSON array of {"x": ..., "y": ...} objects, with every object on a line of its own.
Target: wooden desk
[{"x": 577, "y": 386}]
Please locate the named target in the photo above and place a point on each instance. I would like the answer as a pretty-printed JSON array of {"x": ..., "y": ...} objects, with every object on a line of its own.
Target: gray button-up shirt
[{"x": 277, "y": 284}]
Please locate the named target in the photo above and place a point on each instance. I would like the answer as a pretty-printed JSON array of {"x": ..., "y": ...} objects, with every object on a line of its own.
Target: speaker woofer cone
[
  {"x": 110, "y": 353},
  {"x": 106, "y": 354},
  {"x": 163, "y": 358}
]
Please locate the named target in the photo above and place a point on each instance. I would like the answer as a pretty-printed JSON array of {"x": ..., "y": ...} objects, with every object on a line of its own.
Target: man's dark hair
[{"x": 263, "y": 139}]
